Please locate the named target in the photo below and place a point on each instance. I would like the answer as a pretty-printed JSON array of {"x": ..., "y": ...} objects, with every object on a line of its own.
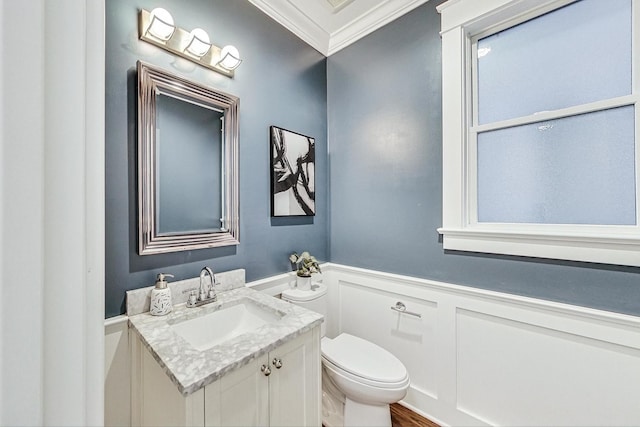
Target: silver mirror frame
[{"x": 152, "y": 82}]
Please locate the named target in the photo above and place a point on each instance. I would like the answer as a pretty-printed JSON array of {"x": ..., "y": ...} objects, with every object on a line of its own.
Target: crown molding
[
  {"x": 290, "y": 17},
  {"x": 328, "y": 43},
  {"x": 369, "y": 22}
]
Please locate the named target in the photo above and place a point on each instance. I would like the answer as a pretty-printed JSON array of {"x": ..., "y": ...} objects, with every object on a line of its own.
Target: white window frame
[{"x": 462, "y": 21}]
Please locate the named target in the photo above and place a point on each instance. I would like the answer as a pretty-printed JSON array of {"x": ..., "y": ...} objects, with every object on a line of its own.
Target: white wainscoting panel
[
  {"x": 484, "y": 358},
  {"x": 516, "y": 373},
  {"x": 366, "y": 312},
  {"x": 117, "y": 373},
  {"x": 475, "y": 357}
]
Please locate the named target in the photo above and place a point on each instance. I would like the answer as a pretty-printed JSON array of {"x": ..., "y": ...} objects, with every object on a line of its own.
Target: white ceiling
[{"x": 330, "y": 25}]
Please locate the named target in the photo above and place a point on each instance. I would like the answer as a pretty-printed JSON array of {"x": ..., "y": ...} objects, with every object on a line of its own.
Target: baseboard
[{"x": 420, "y": 412}]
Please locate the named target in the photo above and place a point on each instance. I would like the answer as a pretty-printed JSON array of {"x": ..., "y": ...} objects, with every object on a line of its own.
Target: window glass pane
[
  {"x": 574, "y": 55},
  {"x": 576, "y": 170}
]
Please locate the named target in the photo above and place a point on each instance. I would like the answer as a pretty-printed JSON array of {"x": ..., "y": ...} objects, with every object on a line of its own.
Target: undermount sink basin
[{"x": 224, "y": 324}]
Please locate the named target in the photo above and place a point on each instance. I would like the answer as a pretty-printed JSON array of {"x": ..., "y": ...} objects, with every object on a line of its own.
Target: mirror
[
  {"x": 188, "y": 151},
  {"x": 187, "y": 164}
]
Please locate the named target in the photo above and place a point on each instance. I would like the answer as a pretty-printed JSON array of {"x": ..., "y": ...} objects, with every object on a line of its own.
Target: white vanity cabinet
[{"x": 256, "y": 394}]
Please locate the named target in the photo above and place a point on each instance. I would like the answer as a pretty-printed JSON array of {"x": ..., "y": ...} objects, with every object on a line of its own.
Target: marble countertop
[{"x": 191, "y": 369}]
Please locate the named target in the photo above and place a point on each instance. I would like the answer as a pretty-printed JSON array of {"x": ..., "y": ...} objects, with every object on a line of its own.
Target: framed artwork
[{"x": 292, "y": 173}]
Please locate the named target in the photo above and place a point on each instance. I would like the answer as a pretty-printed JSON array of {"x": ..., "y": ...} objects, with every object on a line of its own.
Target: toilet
[{"x": 359, "y": 378}]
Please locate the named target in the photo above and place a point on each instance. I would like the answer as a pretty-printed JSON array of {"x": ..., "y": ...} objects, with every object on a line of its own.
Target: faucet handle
[
  {"x": 193, "y": 297},
  {"x": 212, "y": 293}
]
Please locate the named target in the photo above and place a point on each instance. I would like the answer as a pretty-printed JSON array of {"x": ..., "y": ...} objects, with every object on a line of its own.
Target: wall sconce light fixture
[{"x": 157, "y": 27}]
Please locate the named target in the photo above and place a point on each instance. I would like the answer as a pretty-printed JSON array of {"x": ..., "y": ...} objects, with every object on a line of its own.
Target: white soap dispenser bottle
[{"x": 161, "y": 296}]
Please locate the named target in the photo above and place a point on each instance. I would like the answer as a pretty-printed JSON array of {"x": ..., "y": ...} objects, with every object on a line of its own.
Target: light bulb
[
  {"x": 199, "y": 43},
  {"x": 229, "y": 58},
  {"x": 161, "y": 24}
]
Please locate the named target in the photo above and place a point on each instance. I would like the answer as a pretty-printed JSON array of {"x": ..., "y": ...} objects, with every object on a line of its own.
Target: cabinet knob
[
  {"x": 277, "y": 363},
  {"x": 265, "y": 370}
]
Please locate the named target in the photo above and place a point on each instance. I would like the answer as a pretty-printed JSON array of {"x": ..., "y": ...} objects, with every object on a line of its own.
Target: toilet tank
[{"x": 314, "y": 300}]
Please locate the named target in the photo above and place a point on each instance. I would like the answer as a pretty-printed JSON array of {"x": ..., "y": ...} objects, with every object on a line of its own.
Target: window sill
[{"x": 597, "y": 248}]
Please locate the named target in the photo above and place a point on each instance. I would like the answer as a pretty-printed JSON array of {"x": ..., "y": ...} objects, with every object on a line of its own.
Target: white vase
[{"x": 303, "y": 283}]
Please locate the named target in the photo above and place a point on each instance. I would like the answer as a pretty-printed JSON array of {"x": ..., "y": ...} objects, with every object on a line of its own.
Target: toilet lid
[
  {"x": 363, "y": 359},
  {"x": 298, "y": 295}
]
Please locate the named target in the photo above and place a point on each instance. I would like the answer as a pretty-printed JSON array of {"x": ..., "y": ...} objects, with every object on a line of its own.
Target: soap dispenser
[{"x": 161, "y": 296}]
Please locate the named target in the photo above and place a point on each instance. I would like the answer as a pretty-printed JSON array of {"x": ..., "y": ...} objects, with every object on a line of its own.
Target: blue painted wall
[
  {"x": 385, "y": 154},
  {"x": 281, "y": 82},
  {"x": 383, "y": 96}
]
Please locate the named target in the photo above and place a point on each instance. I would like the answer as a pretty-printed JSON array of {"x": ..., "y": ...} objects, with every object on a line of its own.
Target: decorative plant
[{"x": 305, "y": 264}]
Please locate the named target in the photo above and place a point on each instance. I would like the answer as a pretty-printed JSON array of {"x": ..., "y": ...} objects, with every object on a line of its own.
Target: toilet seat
[{"x": 364, "y": 362}]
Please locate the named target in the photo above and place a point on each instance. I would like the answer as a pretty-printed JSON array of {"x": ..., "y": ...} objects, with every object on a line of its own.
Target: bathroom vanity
[{"x": 248, "y": 359}]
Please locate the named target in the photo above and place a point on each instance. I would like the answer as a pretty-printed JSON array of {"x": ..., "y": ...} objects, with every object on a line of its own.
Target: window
[{"x": 540, "y": 119}]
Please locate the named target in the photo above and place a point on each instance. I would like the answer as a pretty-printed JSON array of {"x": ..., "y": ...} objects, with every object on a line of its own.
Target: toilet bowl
[
  {"x": 369, "y": 377},
  {"x": 359, "y": 378}
]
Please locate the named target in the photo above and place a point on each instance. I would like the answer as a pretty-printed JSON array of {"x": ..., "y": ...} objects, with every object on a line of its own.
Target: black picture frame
[{"x": 292, "y": 173}]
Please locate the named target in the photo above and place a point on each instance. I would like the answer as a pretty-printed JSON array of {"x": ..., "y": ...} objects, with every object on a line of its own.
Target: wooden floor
[{"x": 404, "y": 417}]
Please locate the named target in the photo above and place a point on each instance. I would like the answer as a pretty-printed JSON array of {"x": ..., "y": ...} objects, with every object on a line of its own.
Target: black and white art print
[{"x": 292, "y": 173}]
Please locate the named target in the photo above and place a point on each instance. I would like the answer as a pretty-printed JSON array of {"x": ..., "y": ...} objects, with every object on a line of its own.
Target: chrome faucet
[{"x": 205, "y": 295}]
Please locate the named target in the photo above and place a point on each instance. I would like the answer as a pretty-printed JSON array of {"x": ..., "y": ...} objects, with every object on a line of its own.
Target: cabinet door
[
  {"x": 240, "y": 398},
  {"x": 156, "y": 400},
  {"x": 294, "y": 388}
]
